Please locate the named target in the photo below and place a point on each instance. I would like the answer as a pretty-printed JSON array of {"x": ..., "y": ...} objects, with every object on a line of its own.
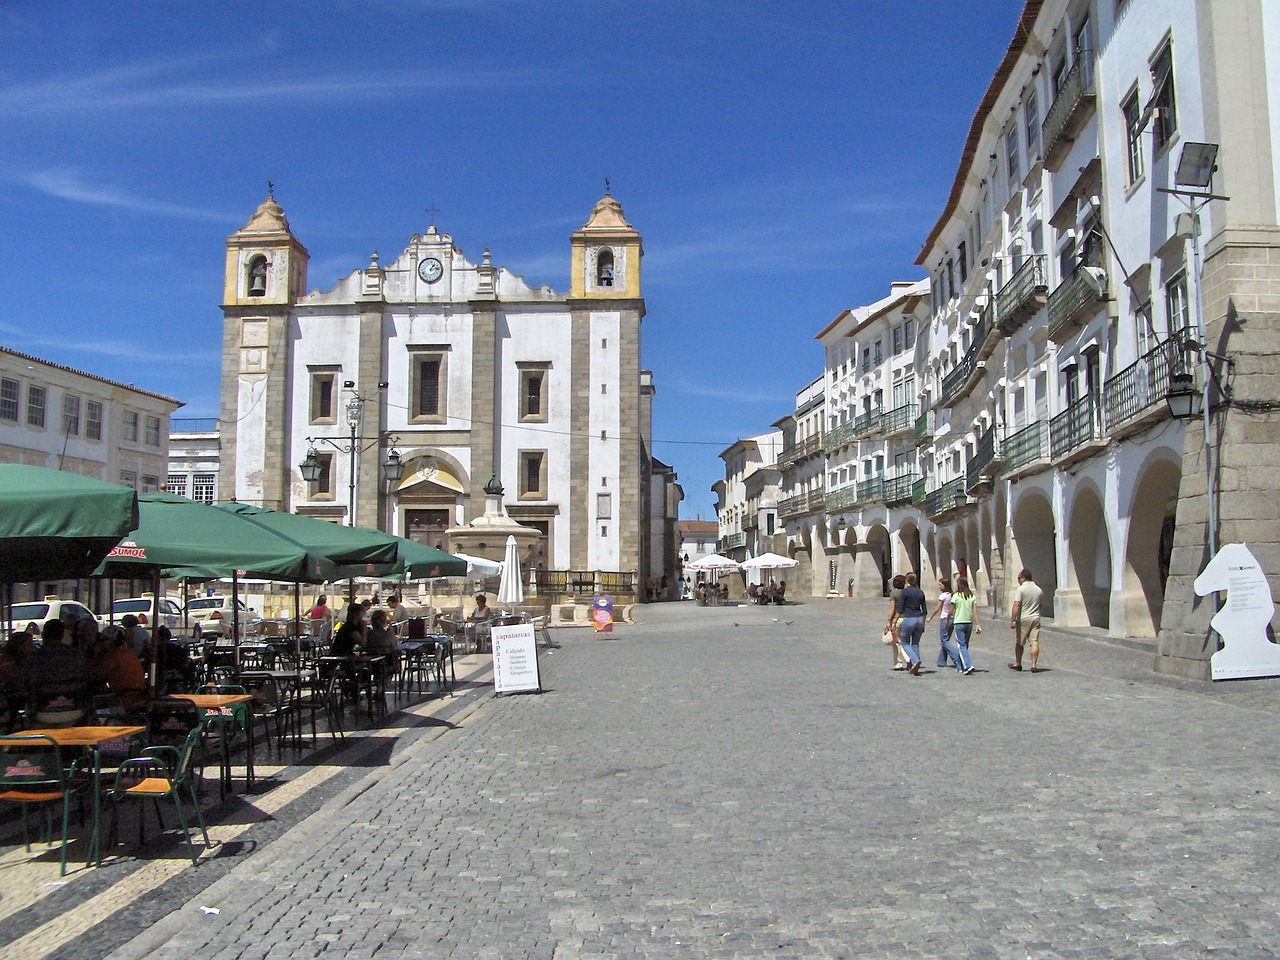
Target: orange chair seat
[
  {"x": 31, "y": 796},
  {"x": 150, "y": 787}
]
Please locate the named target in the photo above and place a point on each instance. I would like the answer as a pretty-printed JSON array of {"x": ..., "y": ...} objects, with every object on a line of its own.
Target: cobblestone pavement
[{"x": 746, "y": 782}]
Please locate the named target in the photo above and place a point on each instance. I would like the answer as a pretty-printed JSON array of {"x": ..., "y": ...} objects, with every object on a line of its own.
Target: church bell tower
[{"x": 606, "y": 255}]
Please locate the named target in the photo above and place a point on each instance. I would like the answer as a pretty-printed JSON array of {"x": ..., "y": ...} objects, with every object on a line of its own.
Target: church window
[
  {"x": 322, "y": 406},
  {"x": 93, "y": 420},
  {"x": 533, "y": 475},
  {"x": 604, "y": 268},
  {"x": 429, "y": 385},
  {"x": 129, "y": 426},
  {"x": 152, "y": 435},
  {"x": 322, "y": 487},
  {"x": 257, "y": 276},
  {"x": 533, "y": 391}
]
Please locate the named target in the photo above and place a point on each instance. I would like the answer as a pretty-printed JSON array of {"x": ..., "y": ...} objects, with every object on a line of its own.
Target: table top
[
  {"x": 76, "y": 736},
  {"x": 212, "y": 701}
]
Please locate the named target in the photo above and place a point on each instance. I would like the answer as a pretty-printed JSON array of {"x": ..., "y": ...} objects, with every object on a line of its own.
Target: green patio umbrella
[
  {"x": 56, "y": 525},
  {"x": 354, "y": 551},
  {"x": 417, "y": 561},
  {"x": 179, "y": 535}
]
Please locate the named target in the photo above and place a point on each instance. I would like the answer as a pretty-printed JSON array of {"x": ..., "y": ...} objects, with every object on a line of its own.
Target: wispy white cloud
[
  {"x": 738, "y": 396},
  {"x": 69, "y": 184},
  {"x": 29, "y": 341},
  {"x": 167, "y": 82}
]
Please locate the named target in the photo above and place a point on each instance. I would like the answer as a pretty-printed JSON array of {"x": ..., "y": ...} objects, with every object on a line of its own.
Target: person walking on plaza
[
  {"x": 900, "y": 660},
  {"x": 1024, "y": 619},
  {"x": 943, "y": 612},
  {"x": 950, "y": 649},
  {"x": 964, "y": 621},
  {"x": 911, "y": 627}
]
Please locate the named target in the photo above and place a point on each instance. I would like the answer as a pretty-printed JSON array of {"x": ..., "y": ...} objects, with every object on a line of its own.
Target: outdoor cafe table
[
  {"x": 91, "y": 739},
  {"x": 290, "y": 684},
  {"x": 212, "y": 704},
  {"x": 413, "y": 649}
]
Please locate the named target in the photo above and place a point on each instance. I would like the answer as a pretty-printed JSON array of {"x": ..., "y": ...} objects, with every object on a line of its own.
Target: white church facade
[{"x": 459, "y": 370}]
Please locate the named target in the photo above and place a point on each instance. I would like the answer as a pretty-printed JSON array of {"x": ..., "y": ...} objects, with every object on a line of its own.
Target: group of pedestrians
[{"x": 957, "y": 613}]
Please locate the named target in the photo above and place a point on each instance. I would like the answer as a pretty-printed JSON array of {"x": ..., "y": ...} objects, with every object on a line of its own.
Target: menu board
[{"x": 515, "y": 659}]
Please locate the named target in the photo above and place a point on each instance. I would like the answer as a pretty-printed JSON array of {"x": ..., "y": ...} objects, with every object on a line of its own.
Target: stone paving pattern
[{"x": 745, "y": 782}]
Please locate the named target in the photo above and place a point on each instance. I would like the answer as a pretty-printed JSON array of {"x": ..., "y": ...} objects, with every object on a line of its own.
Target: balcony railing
[
  {"x": 193, "y": 425},
  {"x": 899, "y": 419},
  {"x": 924, "y": 427},
  {"x": 837, "y": 437},
  {"x": 801, "y": 451},
  {"x": 986, "y": 460},
  {"x": 866, "y": 424},
  {"x": 1022, "y": 294},
  {"x": 1140, "y": 387},
  {"x": 1074, "y": 427},
  {"x": 841, "y": 499},
  {"x": 801, "y": 504},
  {"x": 751, "y": 521},
  {"x": 1024, "y": 447},
  {"x": 898, "y": 489},
  {"x": 918, "y": 492},
  {"x": 1069, "y": 108},
  {"x": 957, "y": 384},
  {"x": 733, "y": 540},
  {"x": 871, "y": 490},
  {"x": 947, "y": 497},
  {"x": 1085, "y": 286}
]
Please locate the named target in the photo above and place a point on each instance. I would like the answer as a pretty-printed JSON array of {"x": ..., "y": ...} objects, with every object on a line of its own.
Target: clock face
[{"x": 430, "y": 270}]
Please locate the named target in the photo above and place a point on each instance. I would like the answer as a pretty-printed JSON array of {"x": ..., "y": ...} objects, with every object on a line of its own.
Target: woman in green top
[{"x": 964, "y": 612}]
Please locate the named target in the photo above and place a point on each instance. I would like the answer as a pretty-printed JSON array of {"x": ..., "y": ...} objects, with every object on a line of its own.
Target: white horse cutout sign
[{"x": 1242, "y": 622}]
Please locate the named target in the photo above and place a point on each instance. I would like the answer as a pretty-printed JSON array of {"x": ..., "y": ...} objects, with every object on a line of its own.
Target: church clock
[{"x": 430, "y": 270}]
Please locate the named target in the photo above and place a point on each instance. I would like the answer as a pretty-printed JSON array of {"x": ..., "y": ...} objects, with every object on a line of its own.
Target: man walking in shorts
[{"x": 1025, "y": 620}]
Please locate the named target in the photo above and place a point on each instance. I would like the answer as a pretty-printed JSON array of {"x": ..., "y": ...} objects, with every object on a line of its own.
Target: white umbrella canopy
[
  {"x": 768, "y": 561},
  {"x": 714, "y": 563},
  {"x": 511, "y": 587},
  {"x": 479, "y": 566}
]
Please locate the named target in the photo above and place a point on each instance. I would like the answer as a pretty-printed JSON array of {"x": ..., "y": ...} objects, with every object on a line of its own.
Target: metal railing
[
  {"x": 898, "y": 489},
  {"x": 805, "y": 448},
  {"x": 872, "y": 489},
  {"x": 584, "y": 582},
  {"x": 955, "y": 384},
  {"x": 918, "y": 492},
  {"x": 1075, "y": 426},
  {"x": 1017, "y": 298},
  {"x": 1142, "y": 384},
  {"x": 1077, "y": 290},
  {"x": 986, "y": 459},
  {"x": 801, "y": 504},
  {"x": 866, "y": 423},
  {"x": 842, "y": 498},
  {"x": 193, "y": 425},
  {"x": 899, "y": 419},
  {"x": 837, "y": 437},
  {"x": 1076, "y": 91},
  {"x": 924, "y": 427},
  {"x": 1024, "y": 446},
  {"x": 946, "y": 497}
]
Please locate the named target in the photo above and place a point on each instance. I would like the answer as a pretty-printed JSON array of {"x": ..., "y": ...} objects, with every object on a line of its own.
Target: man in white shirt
[{"x": 1024, "y": 619}]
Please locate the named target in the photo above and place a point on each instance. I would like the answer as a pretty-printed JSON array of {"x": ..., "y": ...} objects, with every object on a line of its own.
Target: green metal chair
[
  {"x": 31, "y": 772},
  {"x": 161, "y": 772}
]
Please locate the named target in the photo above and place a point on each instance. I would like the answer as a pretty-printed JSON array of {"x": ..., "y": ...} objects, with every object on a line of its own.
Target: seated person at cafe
[
  {"x": 753, "y": 593},
  {"x": 377, "y": 636},
  {"x": 482, "y": 610},
  {"x": 177, "y": 669},
  {"x": 319, "y": 615},
  {"x": 349, "y": 634},
  {"x": 780, "y": 595},
  {"x": 399, "y": 615},
  {"x": 137, "y": 635},
  {"x": 57, "y": 665},
  {"x": 119, "y": 669}
]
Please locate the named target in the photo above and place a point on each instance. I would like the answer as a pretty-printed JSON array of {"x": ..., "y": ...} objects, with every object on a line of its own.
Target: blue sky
[{"x": 783, "y": 161}]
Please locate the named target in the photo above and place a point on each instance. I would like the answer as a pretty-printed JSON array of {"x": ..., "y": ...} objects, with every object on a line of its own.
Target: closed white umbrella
[{"x": 511, "y": 587}]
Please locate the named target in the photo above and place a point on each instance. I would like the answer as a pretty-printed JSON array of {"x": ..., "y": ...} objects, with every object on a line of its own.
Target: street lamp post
[{"x": 391, "y": 469}]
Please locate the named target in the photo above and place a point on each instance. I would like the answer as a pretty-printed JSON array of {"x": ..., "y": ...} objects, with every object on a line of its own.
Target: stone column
[{"x": 485, "y": 436}]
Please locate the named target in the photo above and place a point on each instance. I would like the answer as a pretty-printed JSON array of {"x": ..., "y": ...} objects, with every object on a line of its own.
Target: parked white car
[
  {"x": 144, "y": 608},
  {"x": 50, "y": 608},
  {"x": 211, "y": 616}
]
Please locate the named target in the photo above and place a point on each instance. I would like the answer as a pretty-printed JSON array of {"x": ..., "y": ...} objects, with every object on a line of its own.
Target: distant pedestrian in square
[
  {"x": 1024, "y": 619},
  {"x": 964, "y": 623},
  {"x": 911, "y": 627},
  {"x": 943, "y": 613}
]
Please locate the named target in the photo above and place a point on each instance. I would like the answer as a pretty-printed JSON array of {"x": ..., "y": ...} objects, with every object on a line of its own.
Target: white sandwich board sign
[{"x": 515, "y": 659}]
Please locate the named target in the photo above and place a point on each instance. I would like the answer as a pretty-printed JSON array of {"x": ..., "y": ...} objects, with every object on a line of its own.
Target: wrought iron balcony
[
  {"x": 1025, "y": 447},
  {"x": 801, "y": 450},
  {"x": 1070, "y": 108},
  {"x": 1022, "y": 294},
  {"x": 1076, "y": 431},
  {"x": 947, "y": 497},
  {"x": 843, "y": 498},
  {"x": 801, "y": 504},
  {"x": 985, "y": 463},
  {"x": 918, "y": 492},
  {"x": 871, "y": 490},
  {"x": 837, "y": 437},
  {"x": 924, "y": 428},
  {"x": 1075, "y": 297},
  {"x": 898, "y": 489},
  {"x": 867, "y": 424},
  {"x": 734, "y": 540},
  {"x": 899, "y": 419},
  {"x": 751, "y": 521},
  {"x": 960, "y": 380},
  {"x": 1136, "y": 395}
]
